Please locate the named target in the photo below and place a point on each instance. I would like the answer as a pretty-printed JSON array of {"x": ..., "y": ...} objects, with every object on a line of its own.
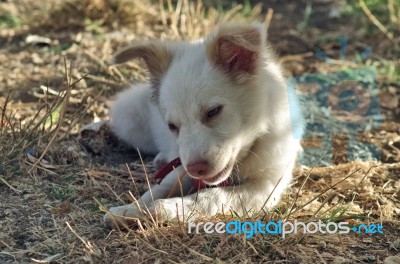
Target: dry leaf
[
  {"x": 63, "y": 208},
  {"x": 94, "y": 173}
]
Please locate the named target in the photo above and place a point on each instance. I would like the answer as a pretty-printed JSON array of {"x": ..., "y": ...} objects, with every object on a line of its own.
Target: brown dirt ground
[{"x": 51, "y": 209}]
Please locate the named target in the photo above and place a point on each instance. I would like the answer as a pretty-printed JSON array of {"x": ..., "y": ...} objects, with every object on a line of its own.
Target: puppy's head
[{"x": 210, "y": 94}]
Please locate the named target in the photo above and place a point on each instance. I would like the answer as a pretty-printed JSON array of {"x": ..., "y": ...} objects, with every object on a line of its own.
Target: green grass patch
[
  {"x": 62, "y": 193},
  {"x": 8, "y": 20}
]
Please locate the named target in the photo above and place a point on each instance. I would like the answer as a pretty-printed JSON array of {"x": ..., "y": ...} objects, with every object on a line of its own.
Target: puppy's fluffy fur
[{"x": 221, "y": 104}]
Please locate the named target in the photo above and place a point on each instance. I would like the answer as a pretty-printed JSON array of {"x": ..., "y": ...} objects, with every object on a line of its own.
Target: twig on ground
[
  {"x": 375, "y": 21},
  {"x": 9, "y": 185}
]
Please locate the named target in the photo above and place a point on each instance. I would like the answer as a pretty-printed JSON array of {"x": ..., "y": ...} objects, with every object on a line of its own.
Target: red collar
[{"x": 198, "y": 184}]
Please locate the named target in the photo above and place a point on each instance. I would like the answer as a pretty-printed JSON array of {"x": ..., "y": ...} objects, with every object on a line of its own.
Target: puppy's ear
[
  {"x": 156, "y": 55},
  {"x": 237, "y": 49}
]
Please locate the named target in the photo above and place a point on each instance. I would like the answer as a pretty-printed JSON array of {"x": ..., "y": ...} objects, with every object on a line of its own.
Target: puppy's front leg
[
  {"x": 171, "y": 186},
  {"x": 243, "y": 199}
]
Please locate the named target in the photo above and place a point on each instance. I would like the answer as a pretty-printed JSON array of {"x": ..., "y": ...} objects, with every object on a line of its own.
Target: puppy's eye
[
  {"x": 172, "y": 127},
  {"x": 214, "y": 111}
]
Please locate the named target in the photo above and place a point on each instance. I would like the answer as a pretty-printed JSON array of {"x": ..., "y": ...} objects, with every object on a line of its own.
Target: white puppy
[{"x": 222, "y": 106}]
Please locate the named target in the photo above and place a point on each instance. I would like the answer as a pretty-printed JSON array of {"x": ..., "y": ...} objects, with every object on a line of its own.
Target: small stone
[
  {"x": 36, "y": 59},
  {"x": 370, "y": 258},
  {"x": 38, "y": 40}
]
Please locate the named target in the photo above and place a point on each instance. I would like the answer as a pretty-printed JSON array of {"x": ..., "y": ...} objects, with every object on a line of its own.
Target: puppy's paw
[
  {"x": 171, "y": 209},
  {"x": 123, "y": 216}
]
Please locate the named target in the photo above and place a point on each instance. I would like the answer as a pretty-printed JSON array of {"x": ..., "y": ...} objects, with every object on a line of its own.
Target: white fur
[{"x": 252, "y": 135}]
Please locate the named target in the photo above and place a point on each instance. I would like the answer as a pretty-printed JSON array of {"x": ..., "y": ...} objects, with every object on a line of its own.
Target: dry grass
[{"x": 54, "y": 185}]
